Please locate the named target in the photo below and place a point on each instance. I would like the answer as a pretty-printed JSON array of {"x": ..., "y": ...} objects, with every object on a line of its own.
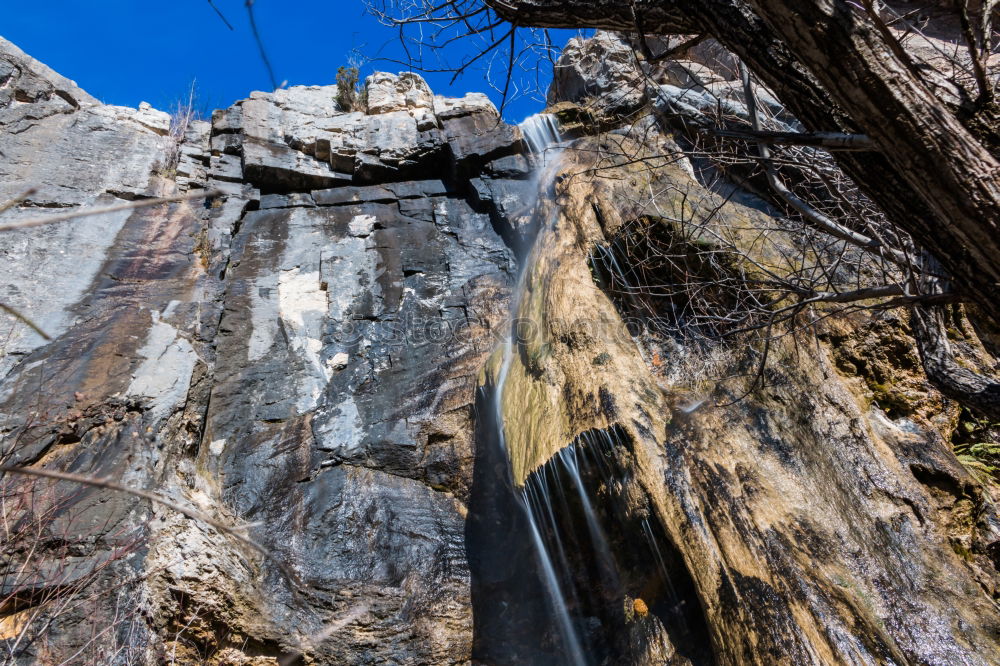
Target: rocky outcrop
[
  {"x": 296, "y": 353},
  {"x": 808, "y": 524},
  {"x": 809, "y": 505}
]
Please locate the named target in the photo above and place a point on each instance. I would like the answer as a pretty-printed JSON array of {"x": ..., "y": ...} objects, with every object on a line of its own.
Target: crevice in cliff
[{"x": 248, "y": 206}]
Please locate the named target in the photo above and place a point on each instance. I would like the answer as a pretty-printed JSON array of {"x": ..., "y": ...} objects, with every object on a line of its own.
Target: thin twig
[
  {"x": 221, "y": 16},
  {"x": 826, "y": 140},
  {"x": 808, "y": 212},
  {"x": 260, "y": 45},
  {"x": 32, "y": 325},
  {"x": 158, "y": 499},
  {"x": 143, "y": 203},
  {"x": 976, "y": 54},
  {"x": 7, "y": 205},
  {"x": 680, "y": 48}
]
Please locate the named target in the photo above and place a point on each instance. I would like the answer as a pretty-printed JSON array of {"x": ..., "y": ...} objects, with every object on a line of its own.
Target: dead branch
[
  {"x": 132, "y": 205},
  {"x": 108, "y": 484},
  {"x": 827, "y": 140},
  {"x": 24, "y": 318},
  {"x": 7, "y": 205},
  {"x": 808, "y": 212}
]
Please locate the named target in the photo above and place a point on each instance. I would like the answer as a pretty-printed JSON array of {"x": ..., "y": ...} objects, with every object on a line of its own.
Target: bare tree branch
[
  {"x": 7, "y": 205},
  {"x": 827, "y": 140},
  {"x": 221, "y": 15},
  {"x": 18, "y": 315},
  {"x": 260, "y": 45},
  {"x": 235, "y": 532},
  {"x": 143, "y": 203}
]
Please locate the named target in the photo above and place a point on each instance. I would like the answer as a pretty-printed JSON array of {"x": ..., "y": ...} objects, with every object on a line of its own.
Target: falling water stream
[
  {"x": 541, "y": 134},
  {"x": 564, "y": 516}
]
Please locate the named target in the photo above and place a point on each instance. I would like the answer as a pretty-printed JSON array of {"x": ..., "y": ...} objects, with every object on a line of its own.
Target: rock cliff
[
  {"x": 297, "y": 353},
  {"x": 316, "y": 356}
]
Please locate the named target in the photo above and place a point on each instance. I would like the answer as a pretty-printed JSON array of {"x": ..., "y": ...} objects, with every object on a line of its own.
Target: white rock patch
[
  {"x": 165, "y": 374},
  {"x": 338, "y": 362},
  {"x": 263, "y": 319},
  {"x": 361, "y": 225},
  {"x": 302, "y": 305},
  {"x": 298, "y": 294}
]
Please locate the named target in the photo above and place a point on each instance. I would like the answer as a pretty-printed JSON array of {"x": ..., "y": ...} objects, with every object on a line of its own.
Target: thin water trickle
[
  {"x": 541, "y": 134},
  {"x": 597, "y": 536},
  {"x": 570, "y": 510}
]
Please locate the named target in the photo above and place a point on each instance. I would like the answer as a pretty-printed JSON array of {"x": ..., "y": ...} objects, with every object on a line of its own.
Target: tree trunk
[
  {"x": 978, "y": 392},
  {"x": 932, "y": 178}
]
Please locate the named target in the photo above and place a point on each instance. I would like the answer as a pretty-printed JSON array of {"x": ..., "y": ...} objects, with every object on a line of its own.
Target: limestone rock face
[
  {"x": 298, "y": 354},
  {"x": 74, "y": 153},
  {"x": 810, "y": 516},
  {"x": 406, "y": 91},
  {"x": 604, "y": 69},
  {"x": 805, "y": 516}
]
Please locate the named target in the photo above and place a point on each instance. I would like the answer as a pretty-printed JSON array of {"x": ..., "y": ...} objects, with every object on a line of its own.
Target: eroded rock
[
  {"x": 297, "y": 352},
  {"x": 298, "y": 357}
]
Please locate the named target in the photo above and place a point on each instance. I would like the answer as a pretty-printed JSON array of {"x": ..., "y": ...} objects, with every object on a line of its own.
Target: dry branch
[
  {"x": 143, "y": 203},
  {"x": 236, "y": 532},
  {"x": 827, "y": 140}
]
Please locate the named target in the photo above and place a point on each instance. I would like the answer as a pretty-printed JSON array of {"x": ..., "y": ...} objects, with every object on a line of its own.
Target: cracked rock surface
[
  {"x": 306, "y": 360},
  {"x": 298, "y": 353}
]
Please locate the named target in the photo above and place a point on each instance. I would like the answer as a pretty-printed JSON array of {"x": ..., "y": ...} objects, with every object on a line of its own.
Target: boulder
[
  {"x": 603, "y": 71},
  {"x": 405, "y": 91}
]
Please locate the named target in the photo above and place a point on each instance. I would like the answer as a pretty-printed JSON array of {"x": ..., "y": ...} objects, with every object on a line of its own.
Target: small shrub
[
  {"x": 182, "y": 113},
  {"x": 347, "y": 88}
]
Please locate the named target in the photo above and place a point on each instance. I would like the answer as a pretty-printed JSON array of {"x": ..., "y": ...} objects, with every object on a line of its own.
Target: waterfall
[
  {"x": 541, "y": 135},
  {"x": 611, "y": 585}
]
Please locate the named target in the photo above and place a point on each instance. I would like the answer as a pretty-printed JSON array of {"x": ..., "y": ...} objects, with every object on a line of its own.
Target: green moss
[
  {"x": 961, "y": 550},
  {"x": 892, "y": 402},
  {"x": 976, "y": 443}
]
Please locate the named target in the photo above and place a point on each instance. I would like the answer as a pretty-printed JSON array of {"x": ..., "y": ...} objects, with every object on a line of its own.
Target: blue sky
[{"x": 128, "y": 51}]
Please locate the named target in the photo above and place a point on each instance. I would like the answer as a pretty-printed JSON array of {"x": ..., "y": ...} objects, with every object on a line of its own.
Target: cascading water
[
  {"x": 541, "y": 134},
  {"x": 563, "y": 513}
]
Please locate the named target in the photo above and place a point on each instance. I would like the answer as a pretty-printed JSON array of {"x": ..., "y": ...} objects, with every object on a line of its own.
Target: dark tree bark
[
  {"x": 833, "y": 69},
  {"x": 602, "y": 14},
  {"x": 954, "y": 174},
  {"x": 976, "y": 391}
]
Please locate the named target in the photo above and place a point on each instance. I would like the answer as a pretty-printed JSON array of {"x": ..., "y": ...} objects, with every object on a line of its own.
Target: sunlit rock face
[
  {"x": 810, "y": 512},
  {"x": 311, "y": 354},
  {"x": 297, "y": 352}
]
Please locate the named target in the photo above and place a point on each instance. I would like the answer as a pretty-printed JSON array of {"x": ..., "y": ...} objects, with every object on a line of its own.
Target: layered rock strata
[{"x": 294, "y": 355}]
